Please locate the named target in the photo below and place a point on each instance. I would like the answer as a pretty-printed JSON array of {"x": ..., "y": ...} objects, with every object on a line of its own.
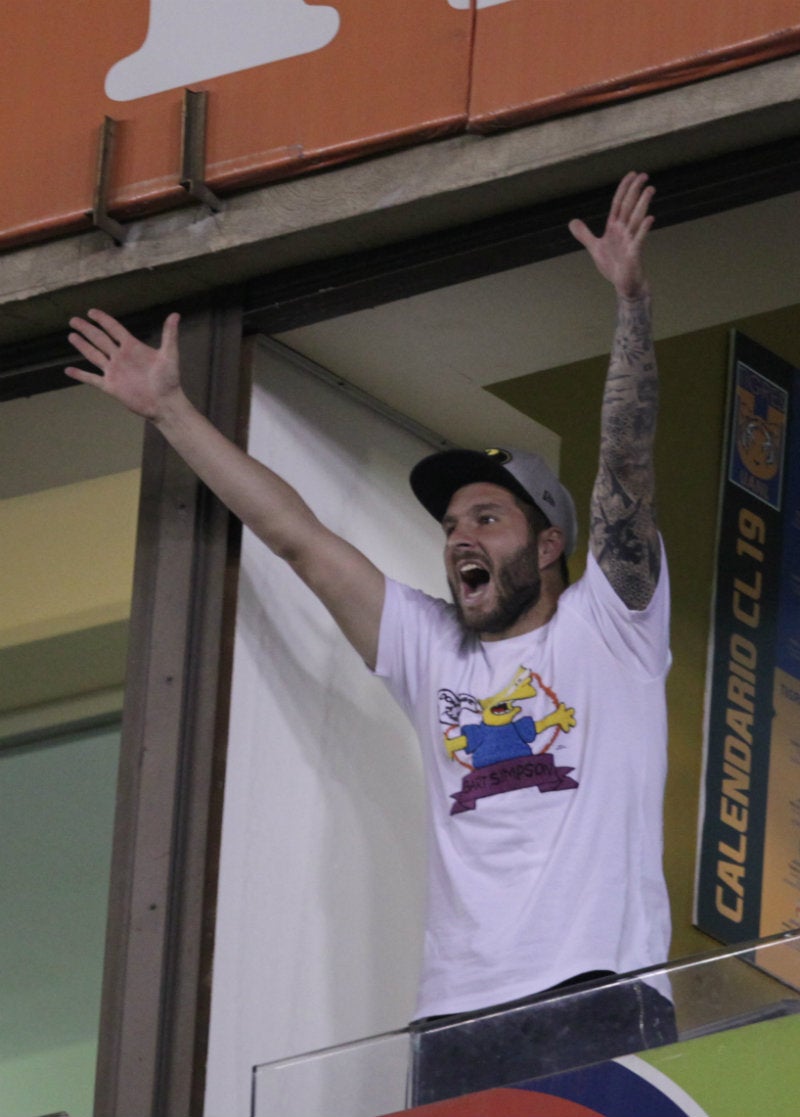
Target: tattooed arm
[{"x": 624, "y": 537}]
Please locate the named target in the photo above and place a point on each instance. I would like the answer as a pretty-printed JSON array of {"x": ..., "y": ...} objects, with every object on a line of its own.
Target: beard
[{"x": 518, "y": 587}]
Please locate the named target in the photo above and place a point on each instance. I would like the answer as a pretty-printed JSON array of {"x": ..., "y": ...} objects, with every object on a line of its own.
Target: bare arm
[
  {"x": 624, "y": 534},
  {"x": 147, "y": 381}
]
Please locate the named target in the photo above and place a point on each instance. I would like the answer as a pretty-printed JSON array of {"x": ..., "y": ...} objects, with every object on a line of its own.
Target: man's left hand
[{"x": 617, "y": 254}]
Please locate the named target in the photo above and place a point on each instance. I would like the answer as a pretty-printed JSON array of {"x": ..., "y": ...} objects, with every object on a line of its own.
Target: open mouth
[{"x": 473, "y": 576}]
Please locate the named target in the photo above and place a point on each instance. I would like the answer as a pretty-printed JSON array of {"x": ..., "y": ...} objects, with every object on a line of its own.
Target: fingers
[
  {"x": 84, "y": 376},
  {"x": 98, "y": 354},
  {"x": 639, "y": 214},
  {"x": 643, "y": 230},
  {"x": 97, "y": 342},
  {"x": 621, "y": 195},
  {"x": 632, "y": 200},
  {"x": 581, "y": 231},
  {"x": 110, "y": 325},
  {"x": 90, "y": 341},
  {"x": 169, "y": 334},
  {"x": 629, "y": 208}
]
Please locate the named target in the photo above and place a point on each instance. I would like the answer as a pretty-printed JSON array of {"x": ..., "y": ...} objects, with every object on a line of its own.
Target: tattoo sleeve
[{"x": 624, "y": 537}]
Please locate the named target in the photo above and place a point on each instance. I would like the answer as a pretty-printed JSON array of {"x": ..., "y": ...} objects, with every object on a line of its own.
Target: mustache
[{"x": 470, "y": 554}]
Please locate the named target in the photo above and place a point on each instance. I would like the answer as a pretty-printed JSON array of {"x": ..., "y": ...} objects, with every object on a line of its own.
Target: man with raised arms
[{"x": 539, "y": 706}]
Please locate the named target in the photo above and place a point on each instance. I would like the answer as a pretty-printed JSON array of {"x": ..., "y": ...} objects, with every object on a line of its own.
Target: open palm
[
  {"x": 617, "y": 254},
  {"x": 138, "y": 375}
]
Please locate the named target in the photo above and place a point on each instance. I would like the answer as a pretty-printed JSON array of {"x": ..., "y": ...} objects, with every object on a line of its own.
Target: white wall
[{"x": 321, "y": 885}]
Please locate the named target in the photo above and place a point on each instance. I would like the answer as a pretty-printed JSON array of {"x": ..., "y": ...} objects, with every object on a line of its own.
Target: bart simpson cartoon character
[{"x": 501, "y": 735}]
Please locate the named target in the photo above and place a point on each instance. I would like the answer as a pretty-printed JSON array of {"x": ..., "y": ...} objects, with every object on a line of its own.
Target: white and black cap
[{"x": 436, "y": 478}]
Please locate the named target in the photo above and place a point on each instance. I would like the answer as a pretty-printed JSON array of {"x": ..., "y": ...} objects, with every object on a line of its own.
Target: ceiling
[{"x": 431, "y": 356}]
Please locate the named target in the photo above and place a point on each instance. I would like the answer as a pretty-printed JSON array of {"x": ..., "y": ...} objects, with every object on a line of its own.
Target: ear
[{"x": 550, "y": 544}]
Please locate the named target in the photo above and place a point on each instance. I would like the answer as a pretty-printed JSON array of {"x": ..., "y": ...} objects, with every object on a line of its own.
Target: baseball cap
[{"x": 435, "y": 479}]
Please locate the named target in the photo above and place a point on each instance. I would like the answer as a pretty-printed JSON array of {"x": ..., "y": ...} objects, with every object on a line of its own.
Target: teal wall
[{"x": 57, "y": 802}]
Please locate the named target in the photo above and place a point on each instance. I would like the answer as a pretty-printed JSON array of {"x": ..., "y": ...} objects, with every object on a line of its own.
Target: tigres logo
[{"x": 759, "y": 438}]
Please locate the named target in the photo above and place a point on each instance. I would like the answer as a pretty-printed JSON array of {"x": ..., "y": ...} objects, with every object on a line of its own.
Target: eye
[{"x": 487, "y": 518}]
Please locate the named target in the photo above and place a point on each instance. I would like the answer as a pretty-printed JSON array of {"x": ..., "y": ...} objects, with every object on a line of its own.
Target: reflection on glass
[{"x": 384, "y": 1074}]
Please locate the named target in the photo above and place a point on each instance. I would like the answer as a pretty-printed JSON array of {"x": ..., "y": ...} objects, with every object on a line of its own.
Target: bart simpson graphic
[{"x": 501, "y": 734}]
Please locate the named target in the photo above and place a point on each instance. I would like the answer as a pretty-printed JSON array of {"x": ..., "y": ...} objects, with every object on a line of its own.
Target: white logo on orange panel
[
  {"x": 481, "y": 3},
  {"x": 194, "y": 40}
]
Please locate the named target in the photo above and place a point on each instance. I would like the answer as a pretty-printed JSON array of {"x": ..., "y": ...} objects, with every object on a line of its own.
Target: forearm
[
  {"x": 346, "y": 582},
  {"x": 624, "y": 538},
  {"x": 261, "y": 499},
  {"x": 630, "y": 397}
]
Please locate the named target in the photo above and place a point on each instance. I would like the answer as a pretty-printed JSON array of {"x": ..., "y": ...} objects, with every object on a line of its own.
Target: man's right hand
[
  {"x": 142, "y": 378},
  {"x": 147, "y": 382}
]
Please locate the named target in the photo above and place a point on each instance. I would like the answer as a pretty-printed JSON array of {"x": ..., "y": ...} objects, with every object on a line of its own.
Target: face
[{"x": 491, "y": 559}]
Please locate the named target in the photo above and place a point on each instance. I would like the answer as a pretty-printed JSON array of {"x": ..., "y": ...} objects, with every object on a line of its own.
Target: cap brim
[{"x": 435, "y": 479}]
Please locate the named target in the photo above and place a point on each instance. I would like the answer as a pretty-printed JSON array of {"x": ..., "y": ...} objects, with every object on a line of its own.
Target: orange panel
[
  {"x": 537, "y": 58},
  {"x": 322, "y": 81},
  {"x": 298, "y": 84}
]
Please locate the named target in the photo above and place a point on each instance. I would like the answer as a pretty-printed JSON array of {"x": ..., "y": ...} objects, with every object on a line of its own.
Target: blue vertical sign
[{"x": 755, "y": 613}]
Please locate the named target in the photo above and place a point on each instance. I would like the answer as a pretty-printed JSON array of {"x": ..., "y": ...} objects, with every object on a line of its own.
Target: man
[{"x": 540, "y": 707}]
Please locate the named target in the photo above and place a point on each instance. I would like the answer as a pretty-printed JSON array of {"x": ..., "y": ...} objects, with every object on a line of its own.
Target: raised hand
[
  {"x": 142, "y": 378},
  {"x": 617, "y": 254}
]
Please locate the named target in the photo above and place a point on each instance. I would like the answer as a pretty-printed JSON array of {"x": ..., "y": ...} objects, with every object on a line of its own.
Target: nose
[{"x": 460, "y": 538}]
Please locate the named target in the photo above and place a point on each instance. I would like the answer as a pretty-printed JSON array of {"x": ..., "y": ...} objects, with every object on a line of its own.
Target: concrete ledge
[{"x": 392, "y": 197}]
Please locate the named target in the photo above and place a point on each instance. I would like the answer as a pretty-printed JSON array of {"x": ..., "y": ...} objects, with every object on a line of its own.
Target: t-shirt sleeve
[
  {"x": 410, "y": 621},
  {"x": 637, "y": 637}
]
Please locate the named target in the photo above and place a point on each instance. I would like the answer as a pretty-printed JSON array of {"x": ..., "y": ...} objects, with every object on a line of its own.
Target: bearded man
[{"x": 539, "y": 706}]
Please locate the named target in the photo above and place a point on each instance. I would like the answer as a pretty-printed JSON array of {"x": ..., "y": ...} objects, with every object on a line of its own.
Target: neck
[{"x": 535, "y": 617}]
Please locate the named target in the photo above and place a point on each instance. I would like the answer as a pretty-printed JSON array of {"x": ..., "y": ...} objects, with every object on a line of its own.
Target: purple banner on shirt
[{"x": 509, "y": 775}]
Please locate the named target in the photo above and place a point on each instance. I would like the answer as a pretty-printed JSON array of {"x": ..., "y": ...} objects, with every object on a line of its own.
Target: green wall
[
  {"x": 50, "y": 1082},
  {"x": 57, "y": 799},
  {"x": 693, "y": 378}
]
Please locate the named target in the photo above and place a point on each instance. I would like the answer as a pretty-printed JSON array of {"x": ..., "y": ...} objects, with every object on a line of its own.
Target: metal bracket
[
  {"x": 193, "y": 149},
  {"x": 105, "y": 155}
]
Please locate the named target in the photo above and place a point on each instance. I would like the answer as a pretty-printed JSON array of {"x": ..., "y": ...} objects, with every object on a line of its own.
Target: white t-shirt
[{"x": 545, "y": 826}]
